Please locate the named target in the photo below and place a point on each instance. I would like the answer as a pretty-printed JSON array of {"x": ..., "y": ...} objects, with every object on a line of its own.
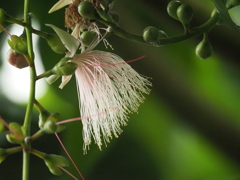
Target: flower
[{"x": 108, "y": 87}]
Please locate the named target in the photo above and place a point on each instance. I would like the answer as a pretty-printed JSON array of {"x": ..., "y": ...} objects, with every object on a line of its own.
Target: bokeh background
[{"x": 187, "y": 129}]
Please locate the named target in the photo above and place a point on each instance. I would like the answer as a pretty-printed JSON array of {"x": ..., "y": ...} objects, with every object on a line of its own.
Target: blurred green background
[{"x": 187, "y": 129}]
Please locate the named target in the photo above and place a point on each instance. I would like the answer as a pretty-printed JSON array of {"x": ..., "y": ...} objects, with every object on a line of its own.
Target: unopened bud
[
  {"x": 18, "y": 44},
  {"x": 87, "y": 10},
  {"x": 17, "y": 60},
  {"x": 204, "y": 49},
  {"x": 172, "y": 9},
  {"x": 47, "y": 122},
  {"x": 185, "y": 14},
  {"x": 88, "y": 37},
  {"x": 150, "y": 34},
  {"x": 17, "y": 135},
  {"x": 64, "y": 67},
  {"x": 54, "y": 162}
]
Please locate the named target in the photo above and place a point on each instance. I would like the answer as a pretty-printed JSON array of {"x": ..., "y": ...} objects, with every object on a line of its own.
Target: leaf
[{"x": 224, "y": 15}]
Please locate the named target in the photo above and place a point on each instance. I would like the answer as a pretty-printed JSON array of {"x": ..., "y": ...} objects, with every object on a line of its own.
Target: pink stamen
[
  {"x": 126, "y": 62},
  {"x": 80, "y": 118},
  {"x": 8, "y": 33},
  {"x": 10, "y": 129},
  {"x": 68, "y": 172},
  {"x": 69, "y": 156}
]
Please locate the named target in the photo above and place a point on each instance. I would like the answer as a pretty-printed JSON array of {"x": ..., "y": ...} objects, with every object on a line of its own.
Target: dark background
[{"x": 187, "y": 129}]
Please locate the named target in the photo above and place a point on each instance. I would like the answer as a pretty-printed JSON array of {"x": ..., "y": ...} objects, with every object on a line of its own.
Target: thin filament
[{"x": 69, "y": 156}]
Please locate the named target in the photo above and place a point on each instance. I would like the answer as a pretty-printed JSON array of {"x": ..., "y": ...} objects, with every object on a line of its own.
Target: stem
[
  {"x": 27, "y": 119},
  {"x": 191, "y": 33}
]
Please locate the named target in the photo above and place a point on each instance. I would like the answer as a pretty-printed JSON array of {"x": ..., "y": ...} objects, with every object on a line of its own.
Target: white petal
[
  {"x": 60, "y": 4},
  {"x": 65, "y": 80},
  {"x": 67, "y": 39}
]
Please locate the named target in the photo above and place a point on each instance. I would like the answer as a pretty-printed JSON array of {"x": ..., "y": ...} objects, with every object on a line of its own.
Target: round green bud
[
  {"x": 150, "y": 34},
  {"x": 115, "y": 17},
  {"x": 204, "y": 49},
  {"x": 87, "y": 10},
  {"x": 88, "y": 37},
  {"x": 56, "y": 44},
  {"x": 172, "y": 9},
  {"x": 185, "y": 14},
  {"x": 162, "y": 34},
  {"x": 17, "y": 136}
]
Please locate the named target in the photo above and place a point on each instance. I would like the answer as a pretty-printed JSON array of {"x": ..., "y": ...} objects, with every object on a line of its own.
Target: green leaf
[{"x": 224, "y": 15}]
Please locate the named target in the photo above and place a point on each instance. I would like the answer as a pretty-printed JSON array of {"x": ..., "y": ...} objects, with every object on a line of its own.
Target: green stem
[
  {"x": 27, "y": 119},
  {"x": 45, "y": 74},
  {"x": 192, "y": 33}
]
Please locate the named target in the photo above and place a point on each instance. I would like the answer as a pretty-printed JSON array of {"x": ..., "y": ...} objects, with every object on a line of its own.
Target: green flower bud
[
  {"x": 64, "y": 67},
  {"x": 185, "y": 14},
  {"x": 87, "y": 10},
  {"x": 3, "y": 20},
  {"x": 150, "y": 34},
  {"x": 204, "y": 49},
  {"x": 17, "y": 137},
  {"x": 47, "y": 122},
  {"x": 16, "y": 60},
  {"x": 19, "y": 44},
  {"x": 232, "y": 3},
  {"x": 56, "y": 44},
  {"x": 54, "y": 161},
  {"x": 3, "y": 154},
  {"x": 172, "y": 9},
  {"x": 162, "y": 34},
  {"x": 115, "y": 17},
  {"x": 88, "y": 37}
]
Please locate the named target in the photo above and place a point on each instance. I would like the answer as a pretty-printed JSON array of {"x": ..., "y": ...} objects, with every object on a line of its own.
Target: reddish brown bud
[{"x": 17, "y": 60}]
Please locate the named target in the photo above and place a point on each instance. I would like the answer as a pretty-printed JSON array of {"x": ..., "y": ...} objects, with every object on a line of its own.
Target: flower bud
[
  {"x": 16, "y": 60},
  {"x": 185, "y": 14},
  {"x": 64, "y": 67},
  {"x": 87, "y": 10},
  {"x": 150, "y": 34},
  {"x": 56, "y": 44},
  {"x": 172, "y": 9},
  {"x": 47, "y": 122},
  {"x": 3, "y": 20},
  {"x": 204, "y": 49},
  {"x": 18, "y": 44},
  {"x": 3, "y": 154},
  {"x": 17, "y": 136},
  {"x": 88, "y": 37},
  {"x": 53, "y": 162}
]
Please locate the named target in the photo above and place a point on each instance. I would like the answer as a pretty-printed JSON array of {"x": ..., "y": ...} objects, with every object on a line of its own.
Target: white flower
[
  {"x": 108, "y": 89},
  {"x": 105, "y": 81}
]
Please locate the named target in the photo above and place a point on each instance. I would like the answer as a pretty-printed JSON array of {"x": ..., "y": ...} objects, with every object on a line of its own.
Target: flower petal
[
  {"x": 67, "y": 39},
  {"x": 65, "y": 80},
  {"x": 60, "y": 4}
]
